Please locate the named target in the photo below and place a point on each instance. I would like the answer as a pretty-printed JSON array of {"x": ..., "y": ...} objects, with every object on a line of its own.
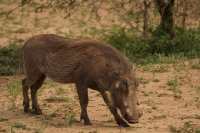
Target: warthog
[{"x": 88, "y": 64}]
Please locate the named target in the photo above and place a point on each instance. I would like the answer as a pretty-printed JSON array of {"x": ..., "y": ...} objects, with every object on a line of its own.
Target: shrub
[
  {"x": 185, "y": 44},
  {"x": 14, "y": 90},
  {"x": 127, "y": 42},
  {"x": 10, "y": 60}
]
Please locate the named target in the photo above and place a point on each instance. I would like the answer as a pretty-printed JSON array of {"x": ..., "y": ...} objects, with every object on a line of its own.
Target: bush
[
  {"x": 159, "y": 45},
  {"x": 127, "y": 42},
  {"x": 10, "y": 60},
  {"x": 186, "y": 43}
]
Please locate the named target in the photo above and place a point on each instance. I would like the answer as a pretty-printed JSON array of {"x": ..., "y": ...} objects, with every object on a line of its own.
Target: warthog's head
[{"x": 123, "y": 96}]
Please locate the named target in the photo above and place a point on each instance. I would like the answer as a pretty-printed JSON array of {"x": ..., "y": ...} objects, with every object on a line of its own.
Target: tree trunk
[
  {"x": 165, "y": 8},
  {"x": 146, "y": 17},
  {"x": 184, "y": 15}
]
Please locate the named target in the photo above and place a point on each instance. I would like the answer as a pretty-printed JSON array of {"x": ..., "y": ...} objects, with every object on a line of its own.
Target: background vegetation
[{"x": 149, "y": 31}]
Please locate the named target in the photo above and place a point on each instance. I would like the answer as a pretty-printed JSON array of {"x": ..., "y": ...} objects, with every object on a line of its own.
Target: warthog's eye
[
  {"x": 115, "y": 75},
  {"x": 125, "y": 83},
  {"x": 124, "y": 86}
]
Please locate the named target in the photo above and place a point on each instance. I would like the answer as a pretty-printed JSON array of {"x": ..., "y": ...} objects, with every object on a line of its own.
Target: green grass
[
  {"x": 174, "y": 87},
  {"x": 160, "y": 117},
  {"x": 155, "y": 80},
  {"x": 2, "y": 119},
  {"x": 60, "y": 91},
  {"x": 14, "y": 90},
  {"x": 69, "y": 118},
  {"x": 198, "y": 90},
  {"x": 172, "y": 83},
  {"x": 196, "y": 66},
  {"x": 58, "y": 99},
  {"x": 158, "y": 68},
  {"x": 145, "y": 93},
  {"x": 188, "y": 127},
  {"x": 143, "y": 81},
  {"x": 19, "y": 125}
]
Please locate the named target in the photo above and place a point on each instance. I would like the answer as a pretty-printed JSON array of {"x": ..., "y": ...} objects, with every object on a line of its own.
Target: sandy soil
[{"x": 169, "y": 96}]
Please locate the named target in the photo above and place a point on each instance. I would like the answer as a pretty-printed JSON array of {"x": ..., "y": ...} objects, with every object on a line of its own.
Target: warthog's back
[{"x": 59, "y": 58}]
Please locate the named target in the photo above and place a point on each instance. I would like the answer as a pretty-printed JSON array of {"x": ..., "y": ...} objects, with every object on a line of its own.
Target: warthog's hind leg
[
  {"x": 83, "y": 99},
  {"x": 25, "y": 88},
  {"x": 35, "y": 107}
]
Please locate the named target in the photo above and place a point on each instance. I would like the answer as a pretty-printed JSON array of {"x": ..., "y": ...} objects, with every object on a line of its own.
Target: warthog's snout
[{"x": 134, "y": 119}]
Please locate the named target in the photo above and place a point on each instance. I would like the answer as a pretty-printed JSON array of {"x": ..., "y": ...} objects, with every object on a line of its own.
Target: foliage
[
  {"x": 186, "y": 43},
  {"x": 14, "y": 89},
  {"x": 158, "y": 46},
  {"x": 126, "y": 41},
  {"x": 70, "y": 118},
  {"x": 10, "y": 60},
  {"x": 187, "y": 128}
]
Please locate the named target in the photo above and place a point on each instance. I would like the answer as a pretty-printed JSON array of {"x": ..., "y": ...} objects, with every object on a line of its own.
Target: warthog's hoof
[
  {"x": 26, "y": 110},
  {"x": 87, "y": 123},
  {"x": 133, "y": 121},
  {"x": 130, "y": 119},
  {"x": 37, "y": 111},
  {"x": 123, "y": 124}
]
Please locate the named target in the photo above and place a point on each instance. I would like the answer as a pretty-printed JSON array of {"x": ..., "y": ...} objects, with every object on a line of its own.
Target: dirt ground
[{"x": 169, "y": 96}]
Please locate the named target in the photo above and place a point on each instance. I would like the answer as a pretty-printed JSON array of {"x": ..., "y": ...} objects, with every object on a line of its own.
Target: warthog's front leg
[
  {"x": 34, "y": 88},
  {"x": 35, "y": 107},
  {"x": 113, "y": 110},
  {"x": 83, "y": 99}
]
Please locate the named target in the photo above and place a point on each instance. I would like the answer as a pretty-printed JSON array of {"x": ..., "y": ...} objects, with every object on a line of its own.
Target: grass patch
[
  {"x": 50, "y": 84},
  {"x": 146, "y": 94},
  {"x": 159, "y": 117},
  {"x": 174, "y": 87},
  {"x": 58, "y": 99},
  {"x": 70, "y": 118},
  {"x": 173, "y": 83},
  {"x": 143, "y": 81},
  {"x": 197, "y": 116},
  {"x": 60, "y": 91},
  {"x": 188, "y": 127},
  {"x": 14, "y": 90},
  {"x": 159, "y": 68},
  {"x": 2, "y": 119},
  {"x": 195, "y": 66},
  {"x": 19, "y": 125},
  {"x": 198, "y": 90},
  {"x": 155, "y": 80}
]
